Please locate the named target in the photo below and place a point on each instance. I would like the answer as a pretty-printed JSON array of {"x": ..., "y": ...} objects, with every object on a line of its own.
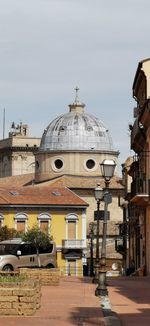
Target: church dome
[{"x": 76, "y": 130}]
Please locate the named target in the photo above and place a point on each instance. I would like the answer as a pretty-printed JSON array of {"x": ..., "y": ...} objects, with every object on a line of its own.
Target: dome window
[
  {"x": 90, "y": 164},
  {"x": 89, "y": 128},
  {"x": 58, "y": 164},
  {"x": 63, "y": 128}
]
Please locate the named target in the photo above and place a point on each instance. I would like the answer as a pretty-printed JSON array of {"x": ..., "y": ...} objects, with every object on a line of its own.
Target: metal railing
[
  {"x": 139, "y": 186},
  {"x": 71, "y": 271},
  {"x": 73, "y": 244}
]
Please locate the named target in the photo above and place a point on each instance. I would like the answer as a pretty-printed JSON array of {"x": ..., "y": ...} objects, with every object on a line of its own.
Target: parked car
[{"x": 16, "y": 253}]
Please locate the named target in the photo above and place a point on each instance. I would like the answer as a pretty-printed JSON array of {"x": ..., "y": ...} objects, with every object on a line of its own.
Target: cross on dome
[
  {"x": 77, "y": 105},
  {"x": 76, "y": 97}
]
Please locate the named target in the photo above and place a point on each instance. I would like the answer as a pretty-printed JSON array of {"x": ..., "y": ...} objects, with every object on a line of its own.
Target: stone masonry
[
  {"x": 44, "y": 275},
  {"x": 21, "y": 298}
]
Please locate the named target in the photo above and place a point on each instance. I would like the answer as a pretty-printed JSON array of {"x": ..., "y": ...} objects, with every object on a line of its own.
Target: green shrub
[{"x": 11, "y": 278}]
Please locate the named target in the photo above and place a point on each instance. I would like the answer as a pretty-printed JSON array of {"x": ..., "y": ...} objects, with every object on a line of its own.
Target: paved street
[
  {"x": 73, "y": 302},
  {"x": 130, "y": 299}
]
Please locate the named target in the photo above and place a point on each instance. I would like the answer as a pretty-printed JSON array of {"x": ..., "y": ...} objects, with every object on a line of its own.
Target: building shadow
[
  {"x": 134, "y": 288},
  {"x": 87, "y": 316},
  {"x": 133, "y": 302}
]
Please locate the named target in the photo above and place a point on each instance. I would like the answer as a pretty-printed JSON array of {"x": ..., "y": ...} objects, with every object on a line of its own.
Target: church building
[{"x": 71, "y": 150}]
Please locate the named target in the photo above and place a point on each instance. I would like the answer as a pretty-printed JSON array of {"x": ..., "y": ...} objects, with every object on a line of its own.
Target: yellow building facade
[{"x": 65, "y": 222}]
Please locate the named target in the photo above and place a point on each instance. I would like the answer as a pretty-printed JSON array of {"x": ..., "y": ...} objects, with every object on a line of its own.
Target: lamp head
[
  {"x": 98, "y": 191},
  {"x": 108, "y": 168}
]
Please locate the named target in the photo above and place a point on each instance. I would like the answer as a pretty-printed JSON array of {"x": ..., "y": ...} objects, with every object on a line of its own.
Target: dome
[{"x": 76, "y": 130}]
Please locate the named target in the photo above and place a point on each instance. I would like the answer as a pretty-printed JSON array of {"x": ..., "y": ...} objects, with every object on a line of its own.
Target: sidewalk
[
  {"x": 130, "y": 299},
  {"x": 73, "y": 302}
]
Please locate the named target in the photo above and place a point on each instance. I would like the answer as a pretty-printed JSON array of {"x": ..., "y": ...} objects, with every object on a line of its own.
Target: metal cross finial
[{"x": 76, "y": 97}]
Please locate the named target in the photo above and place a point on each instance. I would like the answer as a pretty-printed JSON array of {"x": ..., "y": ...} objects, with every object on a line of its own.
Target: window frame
[
  {"x": 44, "y": 217},
  {"x": 22, "y": 217},
  {"x": 72, "y": 218},
  {"x": 85, "y": 164},
  {"x": 54, "y": 168}
]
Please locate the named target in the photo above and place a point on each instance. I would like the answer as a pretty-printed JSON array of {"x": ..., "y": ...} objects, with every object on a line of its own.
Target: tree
[
  {"x": 37, "y": 238},
  {"x": 7, "y": 233}
]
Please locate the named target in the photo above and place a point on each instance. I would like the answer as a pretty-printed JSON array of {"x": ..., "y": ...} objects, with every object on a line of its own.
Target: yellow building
[{"x": 57, "y": 211}]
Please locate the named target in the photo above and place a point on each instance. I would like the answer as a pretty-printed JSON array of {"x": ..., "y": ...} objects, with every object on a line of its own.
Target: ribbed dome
[{"x": 76, "y": 130}]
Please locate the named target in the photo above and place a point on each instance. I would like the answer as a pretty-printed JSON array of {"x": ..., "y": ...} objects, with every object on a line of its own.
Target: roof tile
[{"x": 31, "y": 195}]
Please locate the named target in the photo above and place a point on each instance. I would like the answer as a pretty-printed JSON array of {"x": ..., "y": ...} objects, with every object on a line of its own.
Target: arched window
[
  {"x": 44, "y": 220},
  {"x": 71, "y": 227},
  {"x": 21, "y": 222}
]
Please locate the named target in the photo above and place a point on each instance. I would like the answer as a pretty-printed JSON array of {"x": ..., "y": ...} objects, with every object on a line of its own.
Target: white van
[{"x": 15, "y": 253}]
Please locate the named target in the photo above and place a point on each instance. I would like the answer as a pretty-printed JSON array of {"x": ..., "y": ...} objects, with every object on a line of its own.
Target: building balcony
[
  {"x": 73, "y": 244},
  {"x": 145, "y": 114},
  {"x": 137, "y": 136},
  {"x": 139, "y": 191},
  {"x": 120, "y": 246}
]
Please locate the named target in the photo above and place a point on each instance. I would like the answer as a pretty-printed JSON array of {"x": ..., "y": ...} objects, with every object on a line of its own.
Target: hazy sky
[{"x": 47, "y": 47}]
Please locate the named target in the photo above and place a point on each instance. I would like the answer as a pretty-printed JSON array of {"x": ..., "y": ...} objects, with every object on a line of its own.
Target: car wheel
[
  {"x": 50, "y": 266},
  {"x": 7, "y": 268}
]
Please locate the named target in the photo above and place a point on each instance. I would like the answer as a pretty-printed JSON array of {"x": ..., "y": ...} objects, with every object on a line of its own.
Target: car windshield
[{"x": 8, "y": 249}]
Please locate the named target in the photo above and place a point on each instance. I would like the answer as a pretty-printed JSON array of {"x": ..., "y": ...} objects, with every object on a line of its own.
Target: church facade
[{"x": 72, "y": 148}]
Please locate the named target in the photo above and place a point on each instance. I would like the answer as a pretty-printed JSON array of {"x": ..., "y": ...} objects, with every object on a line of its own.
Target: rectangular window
[
  {"x": 71, "y": 230},
  {"x": 21, "y": 226},
  {"x": 44, "y": 226}
]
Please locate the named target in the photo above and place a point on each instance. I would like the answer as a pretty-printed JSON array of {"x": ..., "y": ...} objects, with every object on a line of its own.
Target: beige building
[
  {"x": 17, "y": 152},
  {"x": 138, "y": 213}
]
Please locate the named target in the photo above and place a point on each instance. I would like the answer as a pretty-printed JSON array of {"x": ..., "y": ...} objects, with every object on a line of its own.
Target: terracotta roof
[
  {"x": 83, "y": 182},
  {"x": 17, "y": 180},
  {"x": 69, "y": 181},
  {"x": 52, "y": 196}
]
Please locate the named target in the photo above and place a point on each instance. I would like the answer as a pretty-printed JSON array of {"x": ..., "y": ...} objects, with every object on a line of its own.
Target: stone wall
[
  {"x": 20, "y": 298},
  {"x": 44, "y": 275}
]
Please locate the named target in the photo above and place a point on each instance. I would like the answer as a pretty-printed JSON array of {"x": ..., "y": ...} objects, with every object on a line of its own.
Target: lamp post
[
  {"x": 98, "y": 191},
  {"x": 91, "y": 236},
  {"x": 108, "y": 168}
]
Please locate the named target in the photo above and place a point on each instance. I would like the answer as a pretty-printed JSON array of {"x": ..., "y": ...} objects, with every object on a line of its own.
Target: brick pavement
[
  {"x": 73, "y": 302},
  {"x": 130, "y": 299}
]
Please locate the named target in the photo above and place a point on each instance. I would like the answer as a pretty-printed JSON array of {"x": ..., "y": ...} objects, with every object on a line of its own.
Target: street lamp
[
  {"x": 107, "y": 168},
  {"x": 98, "y": 191},
  {"x": 91, "y": 236}
]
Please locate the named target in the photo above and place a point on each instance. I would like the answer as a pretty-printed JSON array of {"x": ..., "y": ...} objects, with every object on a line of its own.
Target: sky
[{"x": 48, "y": 47}]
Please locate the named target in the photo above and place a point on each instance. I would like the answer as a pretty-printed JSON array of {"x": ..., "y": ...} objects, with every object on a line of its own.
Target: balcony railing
[
  {"x": 120, "y": 246},
  {"x": 73, "y": 244},
  {"x": 139, "y": 190},
  {"x": 138, "y": 186},
  {"x": 137, "y": 136}
]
